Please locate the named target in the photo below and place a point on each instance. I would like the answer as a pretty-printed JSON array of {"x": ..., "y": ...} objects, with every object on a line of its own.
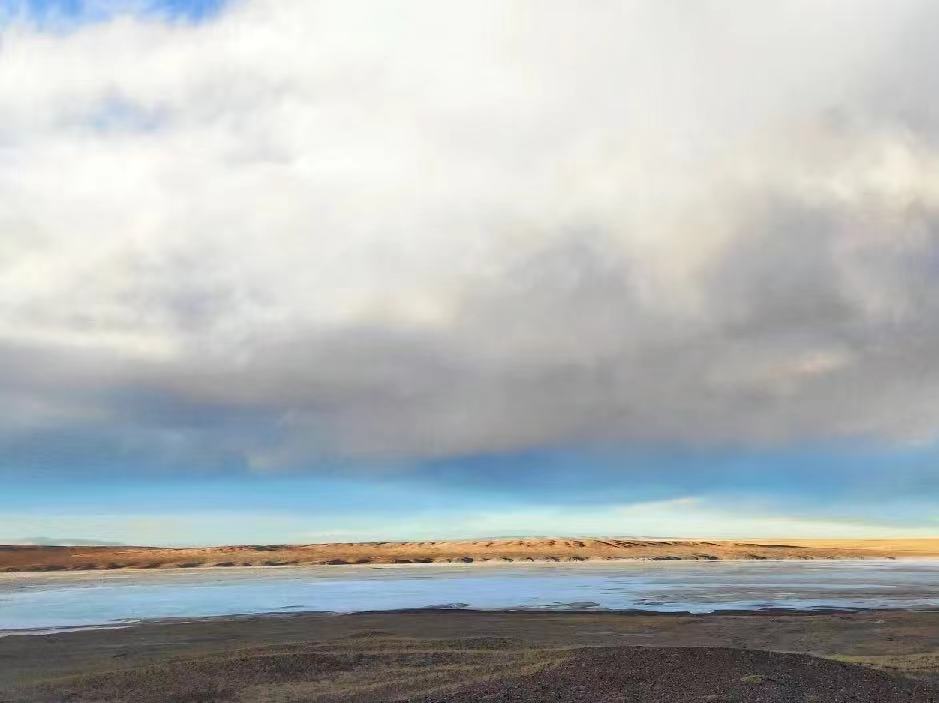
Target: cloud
[{"x": 301, "y": 231}]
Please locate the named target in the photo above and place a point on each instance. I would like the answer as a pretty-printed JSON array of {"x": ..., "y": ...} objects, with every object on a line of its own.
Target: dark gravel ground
[
  {"x": 375, "y": 668},
  {"x": 692, "y": 675}
]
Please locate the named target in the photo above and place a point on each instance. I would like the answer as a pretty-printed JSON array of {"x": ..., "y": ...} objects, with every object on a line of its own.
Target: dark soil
[
  {"x": 372, "y": 667},
  {"x": 679, "y": 675}
]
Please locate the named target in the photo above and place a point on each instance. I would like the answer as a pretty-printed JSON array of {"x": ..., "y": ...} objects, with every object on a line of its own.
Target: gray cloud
[{"x": 308, "y": 231}]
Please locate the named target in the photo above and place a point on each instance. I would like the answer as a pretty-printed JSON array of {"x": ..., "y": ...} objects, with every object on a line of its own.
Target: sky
[{"x": 323, "y": 270}]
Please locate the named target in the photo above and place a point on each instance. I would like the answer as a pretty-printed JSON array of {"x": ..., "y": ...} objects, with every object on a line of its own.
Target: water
[{"x": 81, "y": 599}]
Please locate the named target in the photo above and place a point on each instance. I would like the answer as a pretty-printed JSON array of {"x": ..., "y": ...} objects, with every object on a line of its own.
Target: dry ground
[
  {"x": 373, "y": 668},
  {"x": 27, "y": 558},
  {"x": 458, "y": 657}
]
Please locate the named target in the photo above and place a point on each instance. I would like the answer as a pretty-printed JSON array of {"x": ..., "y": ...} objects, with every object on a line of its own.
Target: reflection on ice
[{"x": 96, "y": 598}]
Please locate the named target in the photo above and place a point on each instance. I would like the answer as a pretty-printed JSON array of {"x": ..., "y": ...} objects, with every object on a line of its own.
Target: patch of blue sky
[
  {"x": 298, "y": 494},
  {"x": 884, "y": 482},
  {"x": 809, "y": 473},
  {"x": 120, "y": 115},
  {"x": 58, "y": 14}
]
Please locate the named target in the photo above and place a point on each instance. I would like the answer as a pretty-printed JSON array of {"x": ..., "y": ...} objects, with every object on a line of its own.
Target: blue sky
[
  {"x": 278, "y": 271},
  {"x": 831, "y": 491},
  {"x": 102, "y": 10}
]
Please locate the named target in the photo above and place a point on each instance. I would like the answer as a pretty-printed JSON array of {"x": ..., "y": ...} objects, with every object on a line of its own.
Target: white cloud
[{"x": 451, "y": 227}]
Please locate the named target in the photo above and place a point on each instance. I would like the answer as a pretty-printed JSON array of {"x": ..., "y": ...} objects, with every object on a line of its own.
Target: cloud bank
[{"x": 298, "y": 232}]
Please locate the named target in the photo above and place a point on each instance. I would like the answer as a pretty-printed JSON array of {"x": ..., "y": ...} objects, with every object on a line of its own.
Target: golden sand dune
[{"x": 43, "y": 558}]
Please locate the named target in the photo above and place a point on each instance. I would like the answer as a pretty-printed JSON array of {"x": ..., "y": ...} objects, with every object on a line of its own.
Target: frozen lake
[{"x": 78, "y": 599}]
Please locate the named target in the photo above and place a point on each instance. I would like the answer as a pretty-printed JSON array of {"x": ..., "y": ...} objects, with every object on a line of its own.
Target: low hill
[{"x": 61, "y": 558}]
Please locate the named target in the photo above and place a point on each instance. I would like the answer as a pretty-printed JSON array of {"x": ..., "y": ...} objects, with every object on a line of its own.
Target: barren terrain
[
  {"x": 453, "y": 657},
  {"x": 36, "y": 558}
]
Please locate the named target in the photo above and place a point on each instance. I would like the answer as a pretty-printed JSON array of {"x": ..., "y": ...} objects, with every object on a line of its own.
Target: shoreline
[
  {"x": 456, "y": 612},
  {"x": 476, "y": 564}
]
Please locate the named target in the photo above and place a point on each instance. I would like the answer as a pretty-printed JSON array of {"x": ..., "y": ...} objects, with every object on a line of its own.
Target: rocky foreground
[
  {"x": 374, "y": 668},
  {"x": 462, "y": 656},
  {"x": 43, "y": 558}
]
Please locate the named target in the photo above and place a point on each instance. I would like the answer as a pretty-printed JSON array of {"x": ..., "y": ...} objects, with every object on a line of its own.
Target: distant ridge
[
  {"x": 541, "y": 549},
  {"x": 60, "y": 542}
]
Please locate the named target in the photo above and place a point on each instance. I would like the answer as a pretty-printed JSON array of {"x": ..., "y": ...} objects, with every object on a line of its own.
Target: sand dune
[{"x": 49, "y": 558}]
